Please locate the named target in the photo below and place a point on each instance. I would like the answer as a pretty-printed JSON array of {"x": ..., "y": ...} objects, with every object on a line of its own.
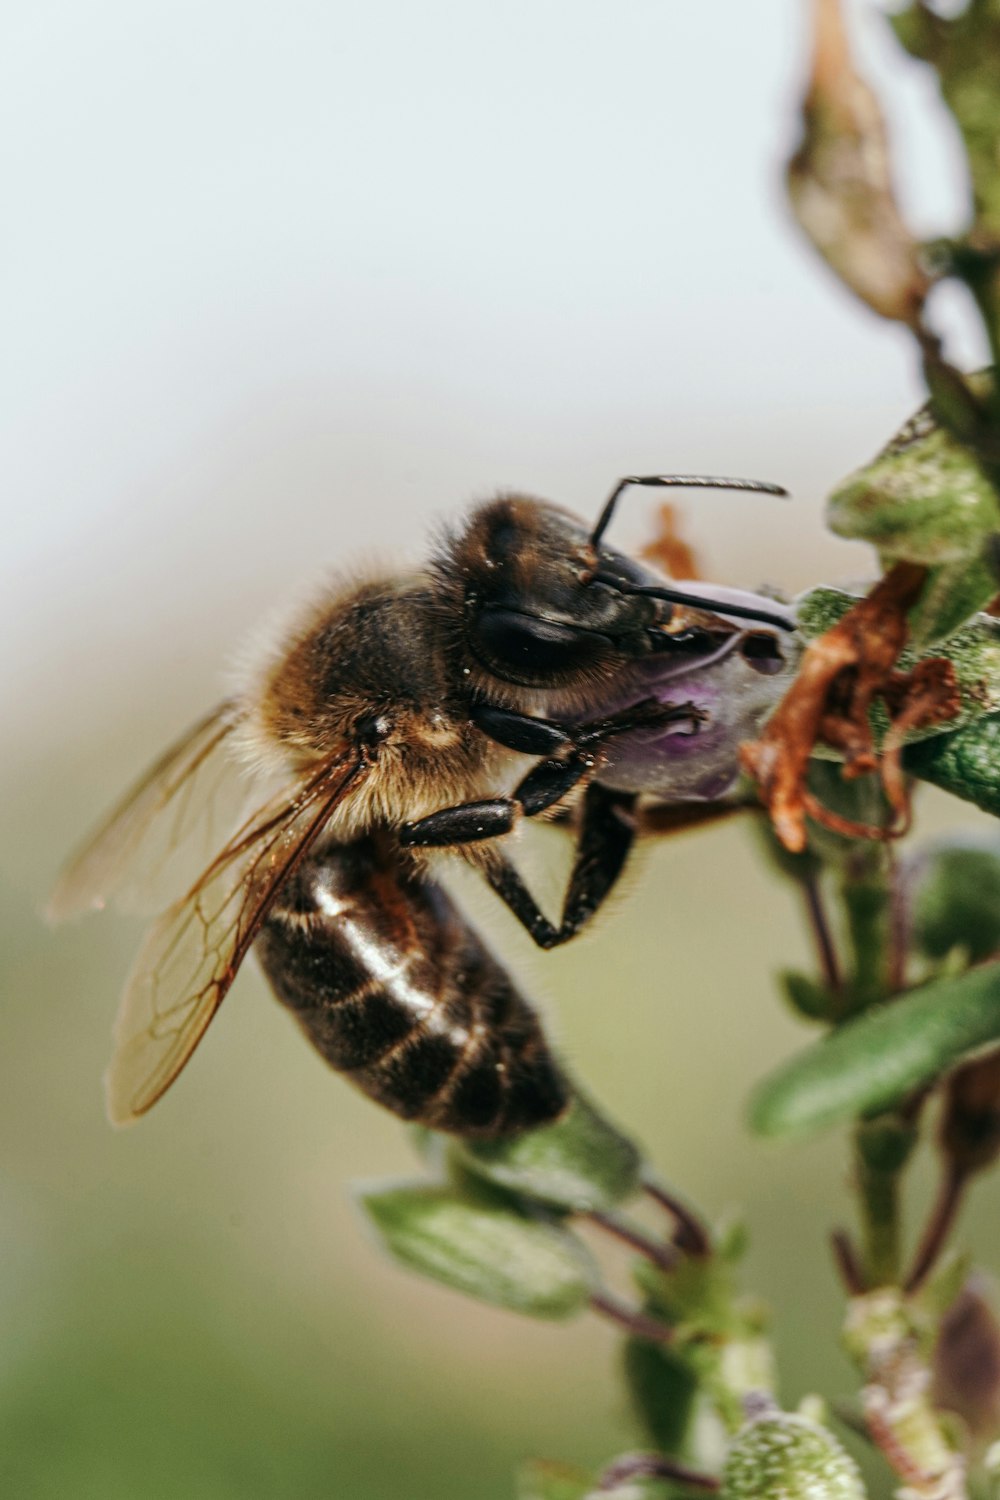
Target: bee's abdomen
[{"x": 397, "y": 991}]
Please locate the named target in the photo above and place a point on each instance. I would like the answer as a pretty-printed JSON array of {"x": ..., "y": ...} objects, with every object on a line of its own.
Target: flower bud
[{"x": 781, "y": 1456}]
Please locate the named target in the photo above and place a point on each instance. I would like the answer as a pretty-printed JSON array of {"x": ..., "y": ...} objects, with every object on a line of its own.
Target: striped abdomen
[{"x": 396, "y": 990}]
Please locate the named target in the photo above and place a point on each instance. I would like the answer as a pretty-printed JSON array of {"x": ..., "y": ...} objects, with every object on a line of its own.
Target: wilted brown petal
[
  {"x": 841, "y": 676},
  {"x": 840, "y": 183},
  {"x": 669, "y": 549}
]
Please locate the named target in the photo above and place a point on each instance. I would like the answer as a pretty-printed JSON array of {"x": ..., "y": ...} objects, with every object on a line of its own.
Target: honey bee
[{"x": 402, "y": 716}]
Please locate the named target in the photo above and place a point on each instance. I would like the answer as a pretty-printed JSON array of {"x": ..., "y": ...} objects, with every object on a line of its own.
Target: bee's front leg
[
  {"x": 607, "y": 825},
  {"x": 570, "y": 752}
]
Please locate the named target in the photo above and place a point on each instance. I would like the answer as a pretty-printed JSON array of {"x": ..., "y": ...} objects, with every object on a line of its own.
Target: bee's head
[
  {"x": 546, "y": 604},
  {"x": 531, "y": 613}
]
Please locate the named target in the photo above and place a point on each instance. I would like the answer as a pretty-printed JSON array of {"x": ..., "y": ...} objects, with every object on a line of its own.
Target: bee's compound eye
[{"x": 531, "y": 647}]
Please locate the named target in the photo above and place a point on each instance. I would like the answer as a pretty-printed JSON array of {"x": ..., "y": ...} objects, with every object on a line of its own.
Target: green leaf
[
  {"x": 966, "y": 764},
  {"x": 806, "y": 996},
  {"x": 540, "y": 1480},
  {"x": 478, "y": 1244},
  {"x": 955, "y": 900},
  {"x": 580, "y": 1163},
  {"x": 664, "y": 1390},
  {"x": 874, "y": 1061}
]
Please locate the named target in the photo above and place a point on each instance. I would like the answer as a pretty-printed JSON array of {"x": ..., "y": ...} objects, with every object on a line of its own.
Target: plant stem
[
  {"x": 822, "y": 936},
  {"x": 664, "y": 1256},
  {"x": 886, "y": 1340},
  {"x": 879, "y": 1189},
  {"x": 638, "y": 1324},
  {"x": 847, "y": 1262},
  {"x": 942, "y": 1219},
  {"x": 653, "y": 1466},
  {"x": 865, "y": 892},
  {"x": 691, "y": 1235}
]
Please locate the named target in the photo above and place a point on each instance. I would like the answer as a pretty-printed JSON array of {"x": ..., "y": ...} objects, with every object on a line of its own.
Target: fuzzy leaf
[
  {"x": 874, "y": 1061},
  {"x": 966, "y": 764},
  {"x": 926, "y": 499},
  {"x": 579, "y": 1163},
  {"x": 478, "y": 1244}
]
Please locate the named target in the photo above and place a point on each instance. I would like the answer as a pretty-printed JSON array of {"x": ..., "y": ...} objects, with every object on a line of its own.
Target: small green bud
[{"x": 783, "y": 1456}]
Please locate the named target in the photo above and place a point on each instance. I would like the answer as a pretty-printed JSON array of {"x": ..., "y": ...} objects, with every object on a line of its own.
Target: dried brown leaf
[
  {"x": 840, "y": 180},
  {"x": 842, "y": 675}
]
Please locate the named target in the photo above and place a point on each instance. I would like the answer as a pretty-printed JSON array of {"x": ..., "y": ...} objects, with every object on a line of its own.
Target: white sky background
[{"x": 282, "y": 283}]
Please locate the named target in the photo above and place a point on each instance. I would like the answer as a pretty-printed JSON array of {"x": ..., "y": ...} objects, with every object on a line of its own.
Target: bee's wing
[
  {"x": 146, "y": 839},
  {"x": 191, "y": 954}
]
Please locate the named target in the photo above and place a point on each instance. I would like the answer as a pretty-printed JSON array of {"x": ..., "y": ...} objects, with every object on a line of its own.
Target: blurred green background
[{"x": 284, "y": 287}]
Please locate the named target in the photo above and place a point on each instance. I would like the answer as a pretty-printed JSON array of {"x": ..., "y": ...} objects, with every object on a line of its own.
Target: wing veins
[
  {"x": 156, "y": 1033},
  {"x": 100, "y": 867}
]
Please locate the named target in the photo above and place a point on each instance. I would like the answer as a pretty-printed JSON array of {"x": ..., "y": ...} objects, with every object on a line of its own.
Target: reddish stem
[
  {"x": 664, "y": 1256},
  {"x": 639, "y": 1324},
  {"x": 690, "y": 1235},
  {"x": 653, "y": 1466},
  {"x": 939, "y": 1225},
  {"x": 822, "y": 936},
  {"x": 848, "y": 1262}
]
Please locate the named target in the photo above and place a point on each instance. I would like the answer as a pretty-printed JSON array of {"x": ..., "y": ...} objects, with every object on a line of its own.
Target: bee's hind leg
[{"x": 607, "y": 829}]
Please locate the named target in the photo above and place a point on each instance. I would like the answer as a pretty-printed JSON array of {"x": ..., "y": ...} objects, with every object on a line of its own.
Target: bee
[{"x": 402, "y": 718}]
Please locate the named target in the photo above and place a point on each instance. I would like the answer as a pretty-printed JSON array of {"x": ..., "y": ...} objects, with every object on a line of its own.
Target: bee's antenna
[
  {"x": 681, "y": 596},
  {"x": 696, "y": 601},
  {"x": 677, "y": 481}
]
